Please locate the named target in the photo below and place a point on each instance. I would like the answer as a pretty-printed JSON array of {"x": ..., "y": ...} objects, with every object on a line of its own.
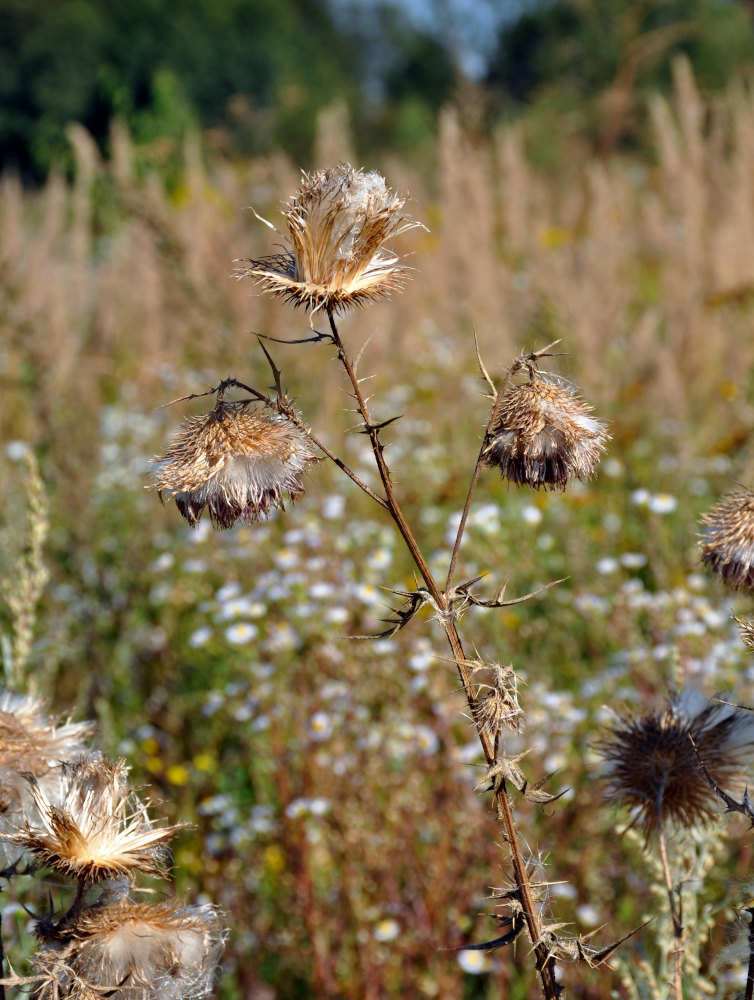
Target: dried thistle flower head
[
  {"x": 544, "y": 435},
  {"x": 99, "y": 830},
  {"x": 237, "y": 461},
  {"x": 497, "y": 706},
  {"x": 134, "y": 951},
  {"x": 31, "y": 743},
  {"x": 653, "y": 769},
  {"x": 728, "y": 539},
  {"x": 745, "y": 630},
  {"x": 338, "y": 224}
]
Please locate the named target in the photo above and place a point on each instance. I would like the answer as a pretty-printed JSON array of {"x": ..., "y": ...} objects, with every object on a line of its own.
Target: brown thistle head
[
  {"x": 338, "y": 223},
  {"x": 236, "y": 461},
  {"x": 31, "y": 743},
  {"x": 544, "y": 435},
  {"x": 745, "y": 630},
  {"x": 728, "y": 539},
  {"x": 137, "y": 951},
  {"x": 653, "y": 768},
  {"x": 97, "y": 830}
]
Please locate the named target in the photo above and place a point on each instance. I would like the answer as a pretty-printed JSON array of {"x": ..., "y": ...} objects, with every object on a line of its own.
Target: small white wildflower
[
  {"x": 662, "y": 503},
  {"x": 607, "y": 565},
  {"x": 474, "y": 962},
  {"x": 640, "y": 497},
  {"x": 320, "y": 726},
  {"x": 633, "y": 560},
  {"x": 587, "y": 915},
  {"x": 531, "y": 515},
  {"x": 387, "y": 930},
  {"x": 200, "y": 637},
  {"x": 241, "y": 633}
]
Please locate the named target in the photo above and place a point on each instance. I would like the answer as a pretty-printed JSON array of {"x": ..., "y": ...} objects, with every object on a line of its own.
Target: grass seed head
[
  {"x": 544, "y": 435},
  {"x": 728, "y": 539},
  {"x": 99, "y": 830},
  {"x": 135, "y": 951},
  {"x": 651, "y": 766},
  {"x": 237, "y": 462},
  {"x": 338, "y": 223}
]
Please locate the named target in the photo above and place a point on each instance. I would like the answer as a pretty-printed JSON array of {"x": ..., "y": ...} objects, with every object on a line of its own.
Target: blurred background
[{"x": 585, "y": 171}]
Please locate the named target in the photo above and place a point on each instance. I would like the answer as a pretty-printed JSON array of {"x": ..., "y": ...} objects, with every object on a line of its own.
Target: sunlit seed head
[
  {"x": 745, "y": 630},
  {"x": 338, "y": 224},
  {"x": 727, "y": 542},
  {"x": 237, "y": 462},
  {"x": 652, "y": 768},
  {"x": 544, "y": 435},
  {"x": 135, "y": 951},
  {"x": 97, "y": 830},
  {"x": 31, "y": 742}
]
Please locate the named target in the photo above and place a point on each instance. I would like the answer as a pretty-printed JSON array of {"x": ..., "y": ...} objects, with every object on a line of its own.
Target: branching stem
[
  {"x": 544, "y": 961},
  {"x": 515, "y": 367},
  {"x": 675, "y": 917}
]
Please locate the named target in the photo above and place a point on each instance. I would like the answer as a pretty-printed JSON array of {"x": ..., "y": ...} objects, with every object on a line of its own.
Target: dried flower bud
[
  {"x": 134, "y": 951},
  {"x": 99, "y": 830},
  {"x": 652, "y": 767},
  {"x": 544, "y": 435},
  {"x": 338, "y": 223},
  {"x": 728, "y": 539},
  {"x": 235, "y": 461}
]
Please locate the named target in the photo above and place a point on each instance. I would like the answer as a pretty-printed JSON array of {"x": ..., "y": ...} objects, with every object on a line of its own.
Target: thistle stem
[
  {"x": 515, "y": 367},
  {"x": 749, "y": 995},
  {"x": 545, "y": 963},
  {"x": 675, "y": 917}
]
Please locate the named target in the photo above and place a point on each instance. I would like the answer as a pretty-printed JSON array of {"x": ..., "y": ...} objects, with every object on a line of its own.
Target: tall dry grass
[{"x": 643, "y": 268}]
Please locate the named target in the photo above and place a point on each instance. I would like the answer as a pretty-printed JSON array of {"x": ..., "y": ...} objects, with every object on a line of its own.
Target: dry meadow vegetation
[{"x": 330, "y": 782}]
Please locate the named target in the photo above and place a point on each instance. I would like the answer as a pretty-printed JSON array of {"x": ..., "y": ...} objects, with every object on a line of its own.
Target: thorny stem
[
  {"x": 675, "y": 916},
  {"x": 545, "y": 963},
  {"x": 749, "y": 995},
  {"x": 515, "y": 367}
]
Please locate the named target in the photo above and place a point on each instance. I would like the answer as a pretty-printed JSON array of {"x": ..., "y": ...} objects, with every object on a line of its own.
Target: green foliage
[
  {"x": 161, "y": 66},
  {"x": 572, "y": 54}
]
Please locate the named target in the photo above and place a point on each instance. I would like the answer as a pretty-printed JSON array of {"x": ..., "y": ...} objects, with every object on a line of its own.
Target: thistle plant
[{"x": 238, "y": 463}]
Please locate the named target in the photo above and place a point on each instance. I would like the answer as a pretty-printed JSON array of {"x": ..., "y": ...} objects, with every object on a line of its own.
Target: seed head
[
  {"x": 236, "y": 461},
  {"x": 134, "y": 951},
  {"x": 653, "y": 769},
  {"x": 544, "y": 435},
  {"x": 728, "y": 539},
  {"x": 338, "y": 223},
  {"x": 100, "y": 830},
  {"x": 745, "y": 630},
  {"x": 31, "y": 743}
]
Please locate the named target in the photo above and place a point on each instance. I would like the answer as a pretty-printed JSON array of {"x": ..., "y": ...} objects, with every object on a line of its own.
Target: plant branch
[
  {"x": 545, "y": 962},
  {"x": 516, "y": 366},
  {"x": 675, "y": 916}
]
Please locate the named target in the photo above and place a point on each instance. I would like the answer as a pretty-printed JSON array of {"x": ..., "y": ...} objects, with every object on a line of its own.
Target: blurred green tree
[
  {"x": 598, "y": 56},
  {"x": 89, "y": 60}
]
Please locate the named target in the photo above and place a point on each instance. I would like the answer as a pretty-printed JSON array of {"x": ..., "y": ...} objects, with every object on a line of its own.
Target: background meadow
[{"x": 330, "y": 781}]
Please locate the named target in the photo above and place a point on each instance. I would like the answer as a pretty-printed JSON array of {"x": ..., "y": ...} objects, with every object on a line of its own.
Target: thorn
[{"x": 483, "y": 370}]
